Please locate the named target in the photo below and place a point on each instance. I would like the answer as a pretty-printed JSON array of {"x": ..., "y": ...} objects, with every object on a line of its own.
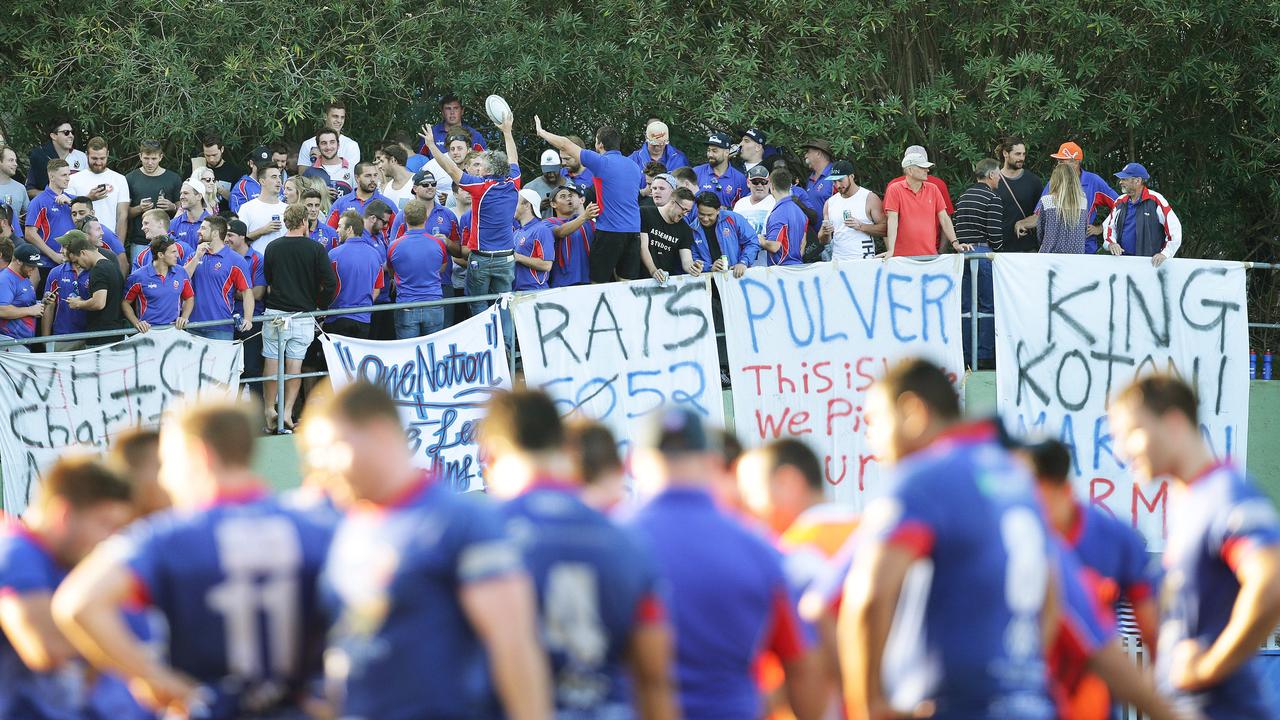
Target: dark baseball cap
[
  {"x": 261, "y": 155},
  {"x": 677, "y": 430},
  {"x": 755, "y": 134},
  {"x": 719, "y": 139},
  {"x": 237, "y": 227},
  {"x": 422, "y": 175},
  {"x": 318, "y": 174},
  {"x": 27, "y": 254},
  {"x": 841, "y": 169},
  {"x": 758, "y": 171}
]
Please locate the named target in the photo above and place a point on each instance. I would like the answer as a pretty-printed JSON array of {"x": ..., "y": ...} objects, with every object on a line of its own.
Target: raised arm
[
  {"x": 513, "y": 153},
  {"x": 559, "y": 142},
  {"x": 446, "y": 163}
]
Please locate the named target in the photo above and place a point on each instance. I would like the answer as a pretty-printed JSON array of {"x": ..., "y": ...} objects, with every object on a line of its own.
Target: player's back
[
  {"x": 595, "y": 586},
  {"x": 1114, "y": 555},
  {"x": 969, "y": 512},
  {"x": 236, "y": 583}
]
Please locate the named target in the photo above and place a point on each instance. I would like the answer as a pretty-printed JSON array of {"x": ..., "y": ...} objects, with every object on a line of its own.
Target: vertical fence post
[
  {"x": 973, "y": 314},
  {"x": 280, "y": 343}
]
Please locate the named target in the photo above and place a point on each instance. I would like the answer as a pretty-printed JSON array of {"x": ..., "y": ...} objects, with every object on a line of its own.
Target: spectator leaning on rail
[
  {"x": 916, "y": 210},
  {"x": 1142, "y": 222},
  {"x": 979, "y": 223}
]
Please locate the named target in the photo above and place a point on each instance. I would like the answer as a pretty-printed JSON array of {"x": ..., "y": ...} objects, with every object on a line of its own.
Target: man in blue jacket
[{"x": 722, "y": 239}]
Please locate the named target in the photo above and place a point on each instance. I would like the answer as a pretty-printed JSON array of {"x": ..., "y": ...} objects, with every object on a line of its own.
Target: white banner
[
  {"x": 805, "y": 343},
  {"x": 1071, "y": 330},
  {"x": 620, "y": 351},
  {"x": 54, "y": 401},
  {"x": 441, "y": 383}
]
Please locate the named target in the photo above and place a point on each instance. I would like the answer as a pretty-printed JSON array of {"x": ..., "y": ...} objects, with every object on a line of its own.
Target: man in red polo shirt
[
  {"x": 916, "y": 211},
  {"x": 933, "y": 180}
]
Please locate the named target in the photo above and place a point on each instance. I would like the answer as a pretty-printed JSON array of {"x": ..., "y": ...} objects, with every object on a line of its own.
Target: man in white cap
[
  {"x": 550, "y": 180},
  {"x": 916, "y": 212},
  {"x": 535, "y": 244},
  {"x": 191, "y": 212},
  {"x": 657, "y": 147},
  {"x": 932, "y": 179}
]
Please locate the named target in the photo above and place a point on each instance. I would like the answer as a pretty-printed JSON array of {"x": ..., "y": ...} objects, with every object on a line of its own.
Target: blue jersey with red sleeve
[
  {"x": 440, "y": 221},
  {"x": 325, "y": 235},
  {"x": 51, "y": 221},
  {"x": 187, "y": 231},
  {"x": 390, "y": 590},
  {"x": 255, "y": 274},
  {"x": 596, "y": 585},
  {"x": 728, "y": 600},
  {"x": 736, "y": 236},
  {"x": 245, "y": 189},
  {"x": 358, "y": 264},
  {"x": 1215, "y": 521},
  {"x": 787, "y": 224},
  {"x": 26, "y": 566},
  {"x": 729, "y": 187},
  {"x": 967, "y": 510},
  {"x": 671, "y": 157},
  {"x": 441, "y": 135},
  {"x": 17, "y": 291},
  {"x": 110, "y": 241},
  {"x": 493, "y": 204},
  {"x": 572, "y": 265},
  {"x": 236, "y": 582},
  {"x": 184, "y": 251},
  {"x": 65, "y": 281},
  {"x": 584, "y": 180},
  {"x": 1083, "y": 629},
  {"x": 352, "y": 201},
  {"x": 218, "y": 278},
  {"x": 1114, "y": 556},
  {"x": 158, "y": 298},
  {"x": 534, "y": 240},
  {"x": 818, "y": 190},
  {"x": 418, "y": 260},
  {"x": 617, "y": 182}
]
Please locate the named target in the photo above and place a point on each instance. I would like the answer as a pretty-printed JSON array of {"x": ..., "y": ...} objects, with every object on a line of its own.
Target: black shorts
[
  {"x": 615, "y": 254},
  {"x": 349, "y": 327}
]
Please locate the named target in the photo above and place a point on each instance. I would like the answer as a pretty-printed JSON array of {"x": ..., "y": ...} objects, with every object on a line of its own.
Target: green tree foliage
[{"x": 1191, "y": 88}]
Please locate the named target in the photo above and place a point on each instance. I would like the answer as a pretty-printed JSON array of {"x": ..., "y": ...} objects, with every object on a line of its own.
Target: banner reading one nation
[
  {"x": 1073, "y": 330},
  {"x": 805, "y": 343}
]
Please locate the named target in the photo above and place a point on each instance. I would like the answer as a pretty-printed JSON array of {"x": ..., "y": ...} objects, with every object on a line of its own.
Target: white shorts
[{"x": 296, "y": 337}]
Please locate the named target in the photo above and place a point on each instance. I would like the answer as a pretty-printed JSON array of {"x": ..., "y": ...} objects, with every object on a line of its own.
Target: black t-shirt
[
  {"x": 229, "y": 172},
  {"x": 666, "y": 239},
  {"x": 1026, "y": 193},
  {"x": 105, "y": 275},
  {"x": 142, "y": 187},
  {"x": 713, "y": 242}
]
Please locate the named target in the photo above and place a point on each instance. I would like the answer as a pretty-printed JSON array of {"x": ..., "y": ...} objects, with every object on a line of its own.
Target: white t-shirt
[
  {"x": 401, "y": 196},
  {"x": 444, "y": 183},
  {"x": 757, "y": 213},
  {"x": 347, "y": 148},
  {"x": 847, "y": 243},
  {"x": 340, "y": 173},
  {"x": 257, "y": 213},
  {"x": 83, "y": 182}
]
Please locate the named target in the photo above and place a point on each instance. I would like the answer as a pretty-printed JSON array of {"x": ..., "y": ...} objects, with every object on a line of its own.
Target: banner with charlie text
[
  {"x": 440, "y": 382},
  {"x": 54, "y": 402},
  {"x": 1072, "y": 330},
  {"x": 806, "y": 342}
]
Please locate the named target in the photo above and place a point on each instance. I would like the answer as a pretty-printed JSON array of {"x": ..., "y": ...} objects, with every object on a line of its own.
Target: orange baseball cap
[{"x": 1068, "y": 151}]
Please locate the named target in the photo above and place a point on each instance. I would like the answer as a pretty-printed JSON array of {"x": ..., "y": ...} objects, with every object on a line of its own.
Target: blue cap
[
  {"x": 1134, "y": 170},
  {"x": 720, "y": 140}
]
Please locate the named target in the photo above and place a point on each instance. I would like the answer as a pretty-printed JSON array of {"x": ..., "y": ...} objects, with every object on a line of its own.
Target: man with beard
[
  {"x": 105, "y": 187},
  {"x": 1019, "y": 191},
  {"x": 717, "y": 175},
  {"x": 335, "y": 118}
]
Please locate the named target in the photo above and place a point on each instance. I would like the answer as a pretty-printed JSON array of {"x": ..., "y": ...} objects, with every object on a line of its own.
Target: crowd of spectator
[{"x": 445, "y": 216}]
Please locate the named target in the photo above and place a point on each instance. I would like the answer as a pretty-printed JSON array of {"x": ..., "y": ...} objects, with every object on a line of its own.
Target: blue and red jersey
[
  {"x": 617, "y": 182},
  {"x": 325, "y": 235},
  {"x": 534, "y": 240},
  {"x": 419, "y": 260},
  {"x": 1114, "y": 557},
  {"x": 440, "y": 221},
  {"x": 736, "y": 236},
  {"x": 245, "y": 189},
  {"x": 216, "y": 281},
  {"x": 66, "y": 281},
  {"x": 584, "y": 180},
  {"x": 1215, "y": 521},
  {"x": 728, "y": 600},
  {"x": 968, "y": 511},
  {"x": 572, "y": 265},
  {"x": 352, "y": 201},
  {"x": 787, "y": 224},
  {"x": 184, "y": 251},
  {"x": 671, "y": 157},
  {"x": 596, "y": 586},
  {"x": 391, "y": 594},
  {"x": 818, "y": 189},
  {"x": 187, "y": 231},
  {"x": 255, "y": 274},
  {"x": 237, "y": 584},
  {"x": 110, "y": 241},
  {"x": 158, "y": 298},
  {"x": 17, "y": 291},
  {"x": 51, "y": 221},
  {"x": 493, "y": 205},
  {"x": 358, "y": 263},
  {"x": 441, "y": 135},
  {"x": 729, "y": 187}
]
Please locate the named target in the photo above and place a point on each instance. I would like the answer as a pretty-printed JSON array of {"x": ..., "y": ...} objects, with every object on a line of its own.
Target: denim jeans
[
  {"x": 214, "y": 332},
  {"x": 418, "y": 322},
  {"x": 488, "y": 276},
  {"x": 986, "y": 304}
]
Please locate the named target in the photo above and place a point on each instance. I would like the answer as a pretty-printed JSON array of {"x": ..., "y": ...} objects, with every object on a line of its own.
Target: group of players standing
[{"x": 375, "y": 592}]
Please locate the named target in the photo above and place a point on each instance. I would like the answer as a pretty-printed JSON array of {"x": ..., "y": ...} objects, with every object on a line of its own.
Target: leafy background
[{"x": 1191, "y": 88}]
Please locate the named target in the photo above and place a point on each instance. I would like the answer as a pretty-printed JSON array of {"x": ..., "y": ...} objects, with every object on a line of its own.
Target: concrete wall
[{"x": 278, "y": 457}]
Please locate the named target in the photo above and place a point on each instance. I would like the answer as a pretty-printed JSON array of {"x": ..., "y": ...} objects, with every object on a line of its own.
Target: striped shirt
[{"x": 979, "y": 218}]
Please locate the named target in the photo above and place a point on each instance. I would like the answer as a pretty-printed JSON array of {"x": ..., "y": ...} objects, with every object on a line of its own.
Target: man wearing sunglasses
[
  {"x": 440, "y": 220},
  {"x": 757, "y": 206},
  {"x": 61, "y": 146}
]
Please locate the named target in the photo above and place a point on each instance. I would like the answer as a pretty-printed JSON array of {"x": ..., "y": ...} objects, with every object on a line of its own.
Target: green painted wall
[{"x": 278, "y": 456}]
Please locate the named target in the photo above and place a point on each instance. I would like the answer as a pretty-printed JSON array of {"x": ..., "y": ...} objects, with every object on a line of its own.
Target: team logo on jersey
[
  {"x": 175, "y": 284},
  {"x": 217, "y": 265}
]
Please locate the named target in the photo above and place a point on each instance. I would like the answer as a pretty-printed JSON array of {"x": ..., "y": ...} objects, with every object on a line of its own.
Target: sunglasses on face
[
  {"x": 429, "y": 183},
  {"x": 68, "y": 133},
  {"x": 760, "y": 182}
]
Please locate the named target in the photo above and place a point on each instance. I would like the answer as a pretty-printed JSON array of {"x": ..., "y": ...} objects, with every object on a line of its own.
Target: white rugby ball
[{"x": 497, "y": 109}]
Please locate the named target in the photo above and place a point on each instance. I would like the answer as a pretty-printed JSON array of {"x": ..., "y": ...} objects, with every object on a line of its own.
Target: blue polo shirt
[
  {"x": 110, "y": 241},
  {"x": 617, "y": 182},
  {"x": 534, "y": 239},
  {"x": 440, "y": 221},
  {"x": 440, "y": 134},
  {"x": 671, "y": 157},
  {"x": 736, "y": 236},
  {"x": 256, "y": 275},
  {"x": 493, "y": 205},
  {"x": 585, "y": 179},
  {"x": 1098, "y": 194},
  {"x": 572, "y": 265},
  {"x": 819, "y": 189},
  {"x": 787, "y": 224},
  {"x": 17, "y": 291},
  {"x": 158, "y": 297},
  {"x": 217, "y": 279},
  {"x": 418, "y": 259},
  {"x": 351, "y": 201},
  {"x": 184, "y": 251},
  {"x": 245, "y": 189},
  {"x": 51, "y": 221},
  {"x": 325, "y": 235},
  {"x": 65, "y": 281},
  {"x": 729, "y": 187},
  {"x": 358, "y": 264},
  {"x": 187, "y": 231}
]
